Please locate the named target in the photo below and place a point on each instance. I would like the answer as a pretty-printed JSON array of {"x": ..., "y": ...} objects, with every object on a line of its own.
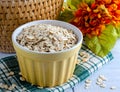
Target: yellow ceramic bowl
[{"x": 47, "y": 69}]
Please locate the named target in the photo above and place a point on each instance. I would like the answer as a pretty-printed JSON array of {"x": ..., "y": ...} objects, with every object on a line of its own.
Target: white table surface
[{"x": 111, "y": 71}]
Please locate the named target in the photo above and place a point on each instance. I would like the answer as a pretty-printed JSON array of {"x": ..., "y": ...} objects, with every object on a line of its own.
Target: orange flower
[
  {"x": 113, "y": 7},
  {"x": 114, "y": 10},
  {"x": 103, "y": 1},
  {"x": 91, "y": 19}
]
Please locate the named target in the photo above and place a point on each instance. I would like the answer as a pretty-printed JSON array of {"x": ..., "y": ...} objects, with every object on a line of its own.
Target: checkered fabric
[{"x": 82, "y": 71}]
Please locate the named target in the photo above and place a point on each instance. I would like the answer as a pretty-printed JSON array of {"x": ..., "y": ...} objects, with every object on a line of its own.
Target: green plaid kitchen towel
[{"x": 82, "y": 71}]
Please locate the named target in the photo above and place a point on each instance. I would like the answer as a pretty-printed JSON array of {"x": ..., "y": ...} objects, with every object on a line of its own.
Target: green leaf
[
  {"x": 101, "y": 45},
  {"x": 118, "y": 30},
  {"x": 66, "y": 15},
  {"x": 74, "y": 3}
]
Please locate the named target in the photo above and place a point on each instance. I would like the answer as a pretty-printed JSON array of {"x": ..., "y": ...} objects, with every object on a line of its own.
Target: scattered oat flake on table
[
  {"x": 5, "y": 86},
  {"x": 78, "y": 61},
  {"x": 22, "y": 79},
  {"x": 88, "y": 81},
  {"x": 20, "y": 73},
  {"x": 103, "y": 77},
  {"x": 113, "y": 87},
  {"x": 98, "y": 83},
  {"x": 99, "y": 80},
  {"x": 14, "y": 85},
  {"x": 87, "y": 85},
  {"x": 11, "y": 73},
  {"x": 85, "y": 59},
  {"x": 24, "y": 89},
  {"x": 10, "y": 88},
  {"x": 82, "y": 53},
  {"x": 39, "y": 87},
  {"x": 84, "y": 56},
  {"x": 102, "y": 85}
]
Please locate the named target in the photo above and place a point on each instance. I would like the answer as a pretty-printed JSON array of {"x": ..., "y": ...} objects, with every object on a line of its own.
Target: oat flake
[{"x": 46, "y": 38}]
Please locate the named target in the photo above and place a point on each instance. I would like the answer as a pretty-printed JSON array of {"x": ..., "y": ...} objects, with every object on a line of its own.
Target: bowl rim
[{"x": 16, "y": 33}]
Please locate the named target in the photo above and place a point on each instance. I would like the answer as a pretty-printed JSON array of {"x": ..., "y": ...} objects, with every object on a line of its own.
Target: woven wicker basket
[{"x": 13, "y": 13}]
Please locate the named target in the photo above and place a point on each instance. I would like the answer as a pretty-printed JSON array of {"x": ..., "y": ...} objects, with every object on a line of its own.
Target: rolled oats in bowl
[
  {"x": 46, "y": 38},
  {"x": 47, "y": 51}
]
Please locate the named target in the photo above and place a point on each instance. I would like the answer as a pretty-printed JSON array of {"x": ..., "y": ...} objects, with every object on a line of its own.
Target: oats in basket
[{"x": 46, "y": 38}]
